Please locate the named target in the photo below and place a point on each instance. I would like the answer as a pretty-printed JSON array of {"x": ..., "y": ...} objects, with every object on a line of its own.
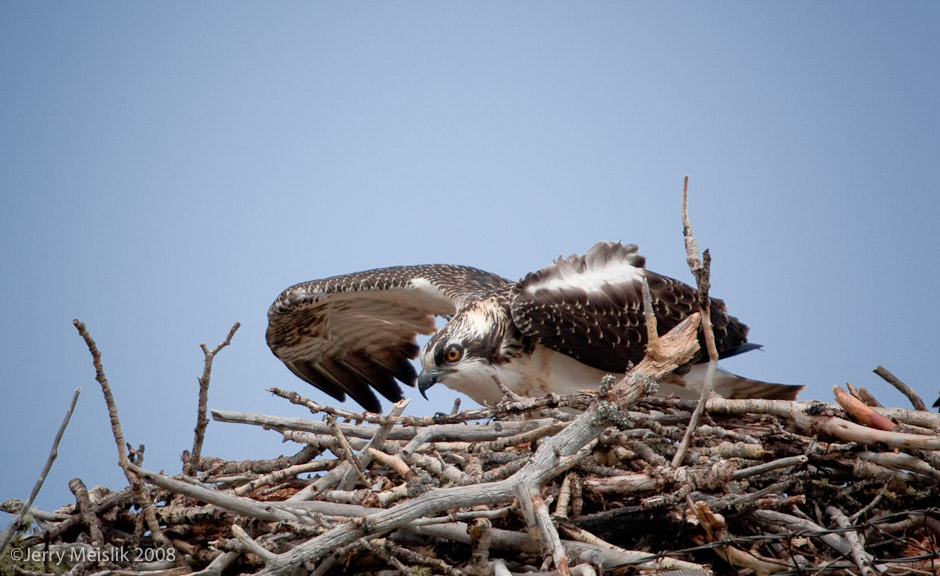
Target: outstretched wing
[
  {"x": 591, "y": 308},
  {"x": 349, "y": 334}
]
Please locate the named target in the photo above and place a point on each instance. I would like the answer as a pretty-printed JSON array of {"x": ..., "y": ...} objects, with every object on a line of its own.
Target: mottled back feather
[{"x": 590, "y": 307}]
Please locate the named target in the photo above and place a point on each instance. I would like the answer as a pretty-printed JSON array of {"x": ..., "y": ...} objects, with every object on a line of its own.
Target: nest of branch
[{"x": 766, "y": 487}]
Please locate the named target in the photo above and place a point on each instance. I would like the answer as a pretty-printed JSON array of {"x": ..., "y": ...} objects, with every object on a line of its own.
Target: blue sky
[{"x": 168, "y": 169}]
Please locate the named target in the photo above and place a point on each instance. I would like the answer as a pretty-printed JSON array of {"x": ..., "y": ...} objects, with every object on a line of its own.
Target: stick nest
[{"x": 766, "y": 487}]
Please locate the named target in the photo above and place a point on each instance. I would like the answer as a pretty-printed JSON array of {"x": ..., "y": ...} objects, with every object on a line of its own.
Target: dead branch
[
  {"x": 862, "y": 559},
  {"x": 428, "y": 433},
  {"x": 86, "y": 511},
  {"x": 347, "y": 451},
  {"x": 377, "y": 441},
  {"x": 53, "y": 454},
  {"x": 525, "y": 405},
  {"x": 701, "y": 270},
  {"x": 536, "y": 514},
  {"x": 201, "y": 420},
  {"x": 862, "y": 411},
  {"x": 238, "y": 505},
  {"x": 903, "y": 388},
  {"x": 139, "y": 488}
]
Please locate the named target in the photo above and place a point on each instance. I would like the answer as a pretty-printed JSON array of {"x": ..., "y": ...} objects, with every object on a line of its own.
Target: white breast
[{"x": 547, "y": 371}]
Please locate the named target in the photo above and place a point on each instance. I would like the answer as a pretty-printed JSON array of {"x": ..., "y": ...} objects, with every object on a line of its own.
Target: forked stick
[{"x": 701, "y": 272}]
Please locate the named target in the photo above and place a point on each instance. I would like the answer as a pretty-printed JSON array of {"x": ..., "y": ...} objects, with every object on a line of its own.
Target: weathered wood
[
  {"x": 766, "y": 486},
  {"x": 764, "y": 466}
]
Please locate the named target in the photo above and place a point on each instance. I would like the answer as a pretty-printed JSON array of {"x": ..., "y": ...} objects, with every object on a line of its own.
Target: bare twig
[
  {"x": 864, "y": 395},
  {"x": 589, "y": 547},
  {"x": 86, "y": 510},
  {"x": 701, "y": 271},
  {"x": 106, "y": 389},
  {"x": 576, "y": 401},
  {"x": 903, "y": 462},
  {"x": 406, "y": 432},
  {"x": 348, "y": 453},
  {"x": 536, "y": 514},
  {"x": 14, "y": 505},
  {"x": 564, "y": 497},
  {"x": 53, "y": 454},
  {"x": 282, "y": 474},
  {"x": 481, "y": 536},
  {"x": 250, "y": 545},
  {"x": 377, "y": 441},
  {"x": 106, "y": 503},
  {"x": 139, "y": 488},
  {"x": 412, "y": 557},
  {"x": 803, "y": 525},
  {"x": 202, "y": 421},
  {"x": 903, "y": 388},
  {"x": 788, "y": 462},
  {"x": 788, "y": 409},
  {"x": 691, "y": 246},
  {"x": 862, "y": 558},
  {"x": 216, "y": 467},
  {"x": 385, "y": 555},
  {"x": 271, "y": 511},
  {"x": 346, "y": 472}
]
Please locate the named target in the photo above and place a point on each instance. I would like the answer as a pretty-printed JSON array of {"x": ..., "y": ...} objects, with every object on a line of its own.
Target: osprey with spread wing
[{"x": 560, "y": 330}]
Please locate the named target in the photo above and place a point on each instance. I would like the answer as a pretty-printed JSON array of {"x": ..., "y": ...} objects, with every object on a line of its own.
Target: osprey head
[{"x": 465, "y": 353}]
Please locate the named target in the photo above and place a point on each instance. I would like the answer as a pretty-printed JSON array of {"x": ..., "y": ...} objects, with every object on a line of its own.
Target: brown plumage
[{"x": 557, "y": 330}]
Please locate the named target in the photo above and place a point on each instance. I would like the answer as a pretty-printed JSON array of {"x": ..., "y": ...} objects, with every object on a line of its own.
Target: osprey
[{"x": 560, "y": 330}]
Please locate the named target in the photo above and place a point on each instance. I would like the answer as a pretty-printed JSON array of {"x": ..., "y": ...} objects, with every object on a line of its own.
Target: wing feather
[
  {"x": 356, "y": 333},
  {"x": 590, "y": 308}
]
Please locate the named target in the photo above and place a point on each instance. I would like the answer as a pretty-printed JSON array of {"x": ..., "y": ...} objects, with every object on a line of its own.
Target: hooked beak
[{"x": 426, "y": 380}]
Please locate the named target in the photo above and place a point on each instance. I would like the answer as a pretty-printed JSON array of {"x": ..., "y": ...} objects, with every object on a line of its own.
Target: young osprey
[{"x": 560, "y": 330}]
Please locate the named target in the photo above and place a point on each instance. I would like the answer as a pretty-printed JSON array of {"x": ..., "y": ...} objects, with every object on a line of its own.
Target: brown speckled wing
[{"x": 354, "y": 333}]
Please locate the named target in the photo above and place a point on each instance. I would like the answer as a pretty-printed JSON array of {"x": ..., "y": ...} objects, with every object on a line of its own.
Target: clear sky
[{"x": 167, "y": 169}]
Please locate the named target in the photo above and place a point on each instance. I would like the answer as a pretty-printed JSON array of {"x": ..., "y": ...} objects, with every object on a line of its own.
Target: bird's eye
[{"x": 453, "y": 353}]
